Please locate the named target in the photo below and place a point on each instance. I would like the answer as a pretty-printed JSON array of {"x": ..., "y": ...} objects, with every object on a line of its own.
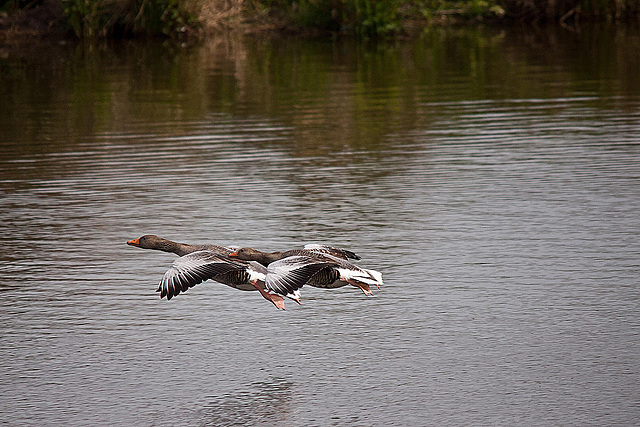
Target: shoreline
[{"x": 210, "y": 19}]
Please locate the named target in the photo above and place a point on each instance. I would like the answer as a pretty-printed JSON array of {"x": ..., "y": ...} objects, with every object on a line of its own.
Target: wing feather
[
  {"x": 192, "y": 269},
  {"x": 288, "y": 275},
  {"x": 326, "y": 249}
]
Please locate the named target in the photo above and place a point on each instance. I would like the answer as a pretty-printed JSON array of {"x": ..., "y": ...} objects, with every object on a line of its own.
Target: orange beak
[
  {"x": 134, "y": 242},
  {"x": 233, "y": 255}
]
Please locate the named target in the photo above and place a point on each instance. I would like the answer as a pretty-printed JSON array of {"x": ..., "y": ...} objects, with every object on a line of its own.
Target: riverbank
[{"x": 21, "y": 21}]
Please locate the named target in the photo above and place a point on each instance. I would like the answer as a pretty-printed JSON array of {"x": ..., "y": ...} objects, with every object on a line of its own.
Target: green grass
[{"x": 104, "y": 18}]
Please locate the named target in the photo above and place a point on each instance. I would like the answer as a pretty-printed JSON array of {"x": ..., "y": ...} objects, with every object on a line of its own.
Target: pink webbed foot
[
  {"x": 363, "y": 286},
  {"x": 277, "y": 300}
]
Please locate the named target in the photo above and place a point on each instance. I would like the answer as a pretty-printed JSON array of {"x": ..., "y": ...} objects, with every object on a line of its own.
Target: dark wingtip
[{"x": 352, "y": 255}]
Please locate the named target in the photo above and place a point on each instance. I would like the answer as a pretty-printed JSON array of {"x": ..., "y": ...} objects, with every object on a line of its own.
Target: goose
[
  {"x": 197, "y": 263},
  {"x": 316, "y": 265}
]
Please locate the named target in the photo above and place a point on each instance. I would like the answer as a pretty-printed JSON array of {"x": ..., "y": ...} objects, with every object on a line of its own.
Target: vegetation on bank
[{"x": 362, "y": 18}]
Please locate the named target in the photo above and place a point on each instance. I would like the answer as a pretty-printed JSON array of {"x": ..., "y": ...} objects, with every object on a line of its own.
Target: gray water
[{"x": 492, "y": 177}]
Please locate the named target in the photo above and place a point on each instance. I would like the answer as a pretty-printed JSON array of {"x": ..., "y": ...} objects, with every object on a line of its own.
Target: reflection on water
[
  {"x": 492, "y": 176},
  {"x": 266, "y": 402}
]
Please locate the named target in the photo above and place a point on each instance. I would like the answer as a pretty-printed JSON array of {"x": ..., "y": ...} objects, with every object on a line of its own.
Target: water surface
[{"x": 492, "y": 176}]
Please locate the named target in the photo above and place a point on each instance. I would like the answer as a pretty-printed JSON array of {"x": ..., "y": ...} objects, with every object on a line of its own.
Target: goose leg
[
  {"x": 277, "y": 300},
  {"x": 363, "y": 286}
]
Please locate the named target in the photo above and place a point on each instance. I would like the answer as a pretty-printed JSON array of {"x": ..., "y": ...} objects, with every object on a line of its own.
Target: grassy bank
[
  {"x": 376, "y": 17},
  {"x": 360, "y": 18},
  {"x": 99, "y": 18}
]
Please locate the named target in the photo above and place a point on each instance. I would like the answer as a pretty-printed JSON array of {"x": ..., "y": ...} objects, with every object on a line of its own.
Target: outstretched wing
[
  {"x": 192, "y": 269},
  {"x": 325, "y": 249},
  {"x": 288, "y": 275}
]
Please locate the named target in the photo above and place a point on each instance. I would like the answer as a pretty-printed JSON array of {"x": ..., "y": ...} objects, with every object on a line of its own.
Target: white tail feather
[
  {"x": 376, "y": 275},
  {"x": 295, "y": 295},
  {"x": 370, "y": 277}
]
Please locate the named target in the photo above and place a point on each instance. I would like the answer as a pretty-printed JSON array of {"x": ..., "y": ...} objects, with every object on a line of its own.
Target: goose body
[
  {"x": 198, "y": 263},
  {"x": 324, "y": 267}
]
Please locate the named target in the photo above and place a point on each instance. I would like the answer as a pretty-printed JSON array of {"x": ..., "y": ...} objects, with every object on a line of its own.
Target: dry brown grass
[{"x": 218, "y": 15}]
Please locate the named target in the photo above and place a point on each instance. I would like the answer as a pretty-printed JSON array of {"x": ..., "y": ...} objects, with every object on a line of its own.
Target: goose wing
[
  {"x": 289, "y": 274},
  {"x": 192, "y": 269},
  {"x": 330, "y": 250}
]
